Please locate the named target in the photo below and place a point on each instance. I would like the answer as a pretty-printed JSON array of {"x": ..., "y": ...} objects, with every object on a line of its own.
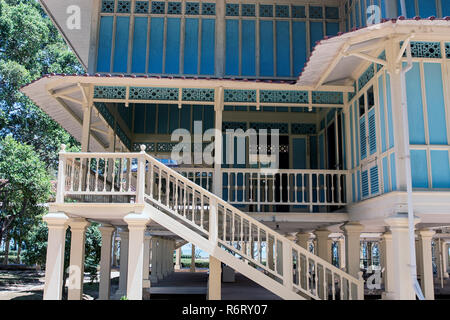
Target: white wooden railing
[{"x": 225, "y": 226}]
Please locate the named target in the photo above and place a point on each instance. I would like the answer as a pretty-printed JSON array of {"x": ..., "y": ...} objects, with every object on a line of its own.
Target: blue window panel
[
  {"x": 383, "y": 8},
  {"x": 385, "y": 175},
  {"x": 358, "y": 180},
  {"x": 248, "y": 48},
  {"x": 440, "y": 170},
  {"x": 104, "y": 44},
  {"x": 208, "y": 118},
  {"x": 374, "y": 181},
  {"x": 382, "y": 113},
  {"x": 299, "y": 146},
  {"x": 316, "y": 33},
  {"x": 173, "y": 46},
  {"x": 415, "y": 110},
  {"x": 321, "y": 152},
  {"x": 313, "y": 152},
  {"x": 372, "y": 132},
  {"x": 191, "y": 46},
  {"x": 139, "y": 118},
  {"x": 363, "y": 13},
  {"x": 427, "y": 8},
  {"x": 121, "y": 44},
  {"x": 156, "y": 45},
  {"x": 389, "y": 112},
  {"x": 344, "y": 142},
  {"x": 353, "y": 188},
  {"x": 163, "y": 116},
  {"x": 299, "y": 46},
  {"x": 419, "y": 169},
  {"x": 435, "y": 103},
  {"x": 365, "y": 183},
  {"x": 232, "y": 47},
  {"x": 332, "y": 28},
  {"x": 445, "y": 5},
  {"x": 185, "y": 116},
  {"x": 125, "y": 113},
  {"x": 410, "y": 8},
  {"x": 266, "y": 48},
  {"x": 362, "y": 137},
  {"x": 208, "y": 46},
  {"x": 355, "y": 109},
  {"x": 393, "y": 172},
  {"x": 174, "y": 116},
  {"x": 139, "y": 45},
  {"x": 283, "y": 49},
  {"x": 351, "y": 19},
  {"x": 150, "y": 118},
  {"x": 357, "y": 13},
  {"x": 352, "y": 137}
]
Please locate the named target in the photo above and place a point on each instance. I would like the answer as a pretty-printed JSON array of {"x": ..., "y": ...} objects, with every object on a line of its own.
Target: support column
[
  {"x": 146, "y": 265},
  {"x": 137, "y": 224},
  {"x": 172, "y": 249},
  {"x": 159, "y": 260},
  {"x": 114, "y": 250},
  {"x": 341, "y": 242},
  {"x": 214, "y": 279},
  {"x": 178, "y": 259},
  {"x": 445, "y": 259},
  {"x": 193, "y": 258},
  {"x": 77, "y": 253},
  {"x": 424, "y": 253},
  {"x": 164, "y": 257},
  {"x": 57, "y": 225},
  {"x": 403, "y": 286},
  {"x": 154, "y": 273},
  {"x": 302, "y": 238},
  {"x": 388, "y": 259},
  {"x": 323, "y": 244},
  {"x": 218, "y": 109},
  {"x": 86, "y": 131},
  {"x": 352, "y": 233},
  {"x": 104, "y": 291},
  {"x": 124, "y": 245}
]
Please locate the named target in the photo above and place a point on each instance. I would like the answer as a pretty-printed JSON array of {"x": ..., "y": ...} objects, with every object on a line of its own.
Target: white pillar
[
  {"x": 323, "y": 244},
  {"x": 85, "y": 135},
  {"x": 352, "y": 233},
  {"x": 159, "y": 260},
  {"x": 164, "y": 257},
  {"x": 426, "y": 263},
  {"x": 146, "y": 265},
  {"x": 104, "y": 291},
  {"x": 77, "y": 251},
  {"x": 302, "y": 238},
  {"x": 388, "y": 259},
  {"x": 124, "y": 245},
  {"x": 154, "y": 275},
  {"x": 178, "y": 259},
  {"x": 214, "y": 279},
  {"x": 402, "y": 286},
  {"x": 114, "y": 250},
  {"x": 193, "y": 258},
  {"x": 57, "y": 225},
  {"x": 342, "y": 252},
  {"x": 218, "y": 109},
  {"x": 445, "y": 258},
  {"x": 137, "y": 223}
]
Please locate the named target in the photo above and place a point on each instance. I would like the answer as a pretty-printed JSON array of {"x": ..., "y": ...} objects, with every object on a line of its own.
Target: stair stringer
[{"x": 220, "y": 254}]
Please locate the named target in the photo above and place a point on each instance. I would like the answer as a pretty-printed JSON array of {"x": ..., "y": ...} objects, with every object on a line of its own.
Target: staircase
[{"x": 210, "y": 223}]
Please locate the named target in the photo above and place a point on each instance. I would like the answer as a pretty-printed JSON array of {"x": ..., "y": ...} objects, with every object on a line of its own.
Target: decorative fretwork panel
[
  {"x": 324, "y": 97},
  {"x": 123, "y": 6},
  {"x": 282, "y": 11},
  {"x": 144, "y": 93},
  {"x": 248, "y": 10},
  {"x": 366, "y": 76},
  {"x": 266, "y": 96},
  {"x": 332, "y": 12},
  {"x": 282, "y": 127},
  {"x": 239, "y": 95},
  {"x": 447, "y": 50},
  {"x": 105, "y": 92},
  {"x": 303, "y": 128},
  {"x": 198, "y": 95},
  {"x": 233, "y": 126},
  {"x": 425, "y": 49},
  {"x": 208, "y": 9},
  {"x": 298, "y": 12},
  {"x": 108, "y": 6},
  {"x": 351, "y": 95},
  {"x": 174, "y": 8},
  {"x": 149, "y": 146},
  {"x": 265, "y": 10},
  {"x": 165, "y": 146},
  {"x": 158, "y": 7},
  {"x": 315, "y": 12},
  {"x": 141, "y": 7},
  {"x": 192, "y": 8},
  {"x": 232, "y": 9}
]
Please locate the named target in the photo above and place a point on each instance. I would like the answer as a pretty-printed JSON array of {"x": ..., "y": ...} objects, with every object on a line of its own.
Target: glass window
[{"x": 362, "y": 108}]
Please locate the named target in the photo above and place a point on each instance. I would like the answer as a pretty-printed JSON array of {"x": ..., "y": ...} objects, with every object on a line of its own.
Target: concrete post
[
  {"x": 352, "y": 233},
  {"x": 77, "y": 253},
  {"x": 137, "y": 224},
  {"x": 403, "y": 286},
  {"x": 146, "y": 265},
  {"x": 193, "y": 258},
  {"x": 342, "y": 252},
  {"x": 388, "y": 274},
  {"x": 159, "y": 259},
  {"x": 323, "y": 244},
  {"x": 302, "y": 238},
  {"x": 57, "y": 225},
  {"x": 123, "y": 263},
  {"x": 214, "y": 279},
  {"x": 154, "y": 273},
  {"x": 424, "y": 253},
  {"x": 104, "y": 291},
  {"x": 178, "y": 259}
]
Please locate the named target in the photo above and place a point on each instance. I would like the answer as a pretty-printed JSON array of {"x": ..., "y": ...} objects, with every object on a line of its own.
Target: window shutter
[{"x": 372, "y": 132}]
